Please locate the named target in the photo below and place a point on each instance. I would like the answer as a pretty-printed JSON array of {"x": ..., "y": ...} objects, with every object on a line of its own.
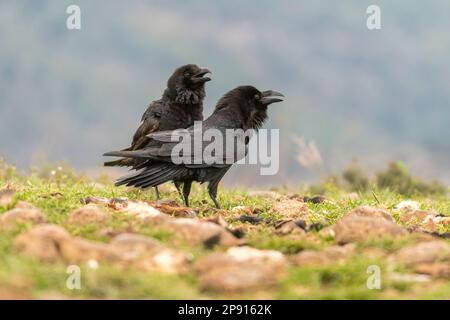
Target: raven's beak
[
  {"x": 199, "y": 76},
  {"x": 267, "y": 97}
]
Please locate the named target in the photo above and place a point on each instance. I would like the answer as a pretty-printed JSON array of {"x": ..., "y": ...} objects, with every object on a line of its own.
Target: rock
[
  {"x": 166, "y": 260},
  {"x": 316, "y": 226},
  {"x": 327, "y": 256},
  {"x": 10, "y": 218},
  {"x": 407, "y": 205},
  {"x": 327, "y": 232},
  {"x": 238, "y": 278},
  {"x": 437, "y": 270},
  {"x": 432, "y": 258},
  {"x": 52, "y": 243},
  {"x": 6, "y": 197},
  {"x": 291, "y": 209},
  {"x": 374, "y": 253},
  {"x": 42, "y": 241},
  {"x": 401, "y": 277},
  {"x": 367, "y": 211},
  {"x": 421, "y": 220},
  {"x": 315, "y": 199},
  {"x": 14, "y": 294},
  {"x": 356, "y": 228},
  {"x": 136, "y": 243},
  {"x": 250, "y": 254},
  {"x": 240, "y": 269},
  {"x": 270, "y": 195},
  {"x": 138, "y": 209},
  {"x": 243, "y": 210},
  {"x": 24, "y": 205},
  {"x": 88, "y": 214},
  {"x": 290, "y": 226},
  {"x": 195, "y": 231},
  {"x": 150, "y": 253},
  {"x": 175, "y": 210},
  {"x": 96, "y": 200},
  {"x": 424, "y": 252},
  {"x": 77, "y": 250},
  {"x": 352, "y": 196},
  {"x": 253, "y": 219},
  {"x": 219, "y": 220}
]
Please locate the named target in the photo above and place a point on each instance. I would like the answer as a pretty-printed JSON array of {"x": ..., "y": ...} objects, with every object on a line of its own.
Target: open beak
[
  {"x": 200, "y": 76},
  {"x": 268, "y": 97}
]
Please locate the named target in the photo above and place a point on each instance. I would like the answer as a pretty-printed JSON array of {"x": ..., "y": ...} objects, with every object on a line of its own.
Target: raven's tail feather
[
  {"x": 147, "y": 153},
  {"x": 124, "y": 162},
  {"x": 153, "y": 176}
]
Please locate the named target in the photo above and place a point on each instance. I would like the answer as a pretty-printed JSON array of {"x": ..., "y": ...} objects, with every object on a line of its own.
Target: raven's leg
[
  {"x": 186, "y": 191},
  {"x": 178, "y": 186},
  {"x": 212, "y": 190},
  {"x": 157, "y": 193}
]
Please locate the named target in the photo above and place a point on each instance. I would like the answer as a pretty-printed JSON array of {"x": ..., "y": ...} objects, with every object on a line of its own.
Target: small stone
[
  {"x": 358, "y": 228},
  {"x": 271, "y": 195},
  {"x": 92, "y": 264},
  {"x": 253, "y": 219},
  {"x": 425, "y": 221},
  {"x": 150, "y": 254},
  {"x": 401, "y": 277},
  {"x": 289, "y": 226},
  {"x": 42, "y": 241},
  {"x": 431, "y": 258},
  {"x": 327, "y": 232},
  {"x": 240, "y": 277},
  {"x": 6, "y": 197},
  {"x": 445, "y": 221},
  {"x": 242, "y": 210},
  {"x": 10, "y": 218},
  {"x": 424, "y": 252},
  {"x": 352, "y": 196},
  {"x": 291, "y": 209},
  {"x": 437, "y": 269},
  {"x": 417, "y": 216},
  {"x": 136, "y": 243},
  {"x": 78, "y": 250},
  {"x": 407, "y": 205},
  {"x": 175, "y": 210},
  {"x": 195, "y": 231},
  {"x": 315, "y": 199},
  {"x": 166, "y": 261},
  {"x": 95, "y": 200},
  {"x": 87, "y": 214},
  {"x": 240, "y": 269},
  {"x": 327, "y": 256},
  {"x": 24, "y": 205},
  {"x": 139, "y": 209},
  {"x": 367, "y": 211},
  {"x": 245, "y": 253}
]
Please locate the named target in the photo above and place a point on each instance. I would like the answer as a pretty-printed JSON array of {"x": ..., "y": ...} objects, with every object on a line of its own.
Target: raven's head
[
  {"x": 252, "y": 103},
  {"x": 187, "y": 84}
]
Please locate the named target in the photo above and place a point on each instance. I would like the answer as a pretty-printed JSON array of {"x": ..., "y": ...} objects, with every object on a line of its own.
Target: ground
[{"x": 278, "y": 244}]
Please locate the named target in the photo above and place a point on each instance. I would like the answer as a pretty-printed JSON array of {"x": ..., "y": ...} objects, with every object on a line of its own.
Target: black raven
[
  {"x": 244, "y": 107},
  {"x": 180, "y": 105}
]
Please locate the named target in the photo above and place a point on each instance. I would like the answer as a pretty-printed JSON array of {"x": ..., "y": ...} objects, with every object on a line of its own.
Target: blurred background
[{"x": 350, "y": 92}]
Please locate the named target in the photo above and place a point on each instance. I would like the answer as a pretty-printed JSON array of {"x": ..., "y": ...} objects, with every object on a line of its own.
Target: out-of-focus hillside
[{"x": 377, "y": 95}]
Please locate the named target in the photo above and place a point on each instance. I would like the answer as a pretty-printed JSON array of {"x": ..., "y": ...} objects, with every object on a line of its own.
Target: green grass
[{"x": 59, "y": 193}]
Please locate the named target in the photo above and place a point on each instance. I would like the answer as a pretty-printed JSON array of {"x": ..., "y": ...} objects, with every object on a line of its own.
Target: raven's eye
[
  {"x": 257, "y": 97},
  {"x": 187, "y": 74}
]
